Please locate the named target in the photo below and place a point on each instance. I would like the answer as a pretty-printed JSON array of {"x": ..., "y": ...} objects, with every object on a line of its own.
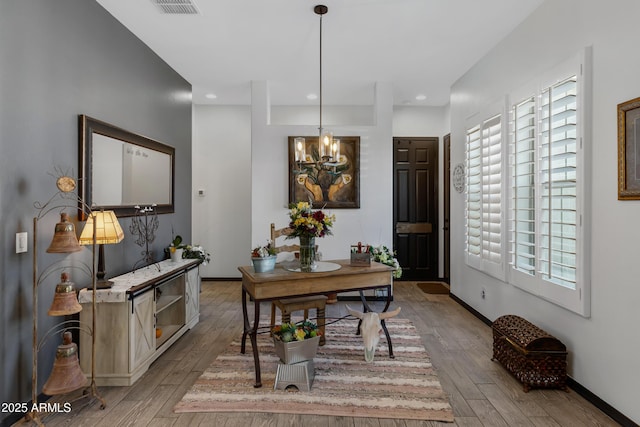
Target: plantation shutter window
[
  {"x": 492, "y": 190},
  {"x": 484, "y": 243},
  {"x": 558, "y": 184},
  {"x": 523, "y": 227},
  {"x": 549, "y": 198},
  {"x": 474, "y": 191}
]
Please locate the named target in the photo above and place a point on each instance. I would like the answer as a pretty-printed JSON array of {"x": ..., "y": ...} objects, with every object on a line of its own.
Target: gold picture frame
[{"x": 629, "y": 150}]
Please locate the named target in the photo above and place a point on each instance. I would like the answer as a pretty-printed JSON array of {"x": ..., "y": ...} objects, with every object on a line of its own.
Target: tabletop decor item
[
  {"x": 385, "y": 256},
  {"x": 263, "y": 258},
  {"x": 308, "y": 224},
  {"x": 196, "y": 252},
  {"x": 360, "y": 256},
  {"x": 177, "y": 251},
  {"x": 144, "y": 225}
]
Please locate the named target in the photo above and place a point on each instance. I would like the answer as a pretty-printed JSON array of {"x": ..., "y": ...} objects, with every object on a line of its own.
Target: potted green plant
[
  {"x": 263, "y": 258},
  {"x": 178, "y": 251},
  {"x": 296, "y": 342},
  {"x": 385, "y": 256},
  {"x": 197, "y": 252}
]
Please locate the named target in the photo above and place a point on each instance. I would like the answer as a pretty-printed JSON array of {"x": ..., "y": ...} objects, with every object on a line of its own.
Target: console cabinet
[{"x": 139, "y": 318}]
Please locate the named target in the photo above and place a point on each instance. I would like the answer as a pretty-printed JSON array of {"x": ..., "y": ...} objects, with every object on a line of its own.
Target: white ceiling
[{"x": 419, "y": 46}]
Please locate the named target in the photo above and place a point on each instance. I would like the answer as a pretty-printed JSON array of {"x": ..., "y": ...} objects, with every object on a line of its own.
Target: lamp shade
[{"x": 108, "y": 230}]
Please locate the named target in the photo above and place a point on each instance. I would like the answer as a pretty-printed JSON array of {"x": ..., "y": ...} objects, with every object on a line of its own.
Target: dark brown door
[
  {"x": 446, "y": 196},
  {"x": 415, "y": 210}
]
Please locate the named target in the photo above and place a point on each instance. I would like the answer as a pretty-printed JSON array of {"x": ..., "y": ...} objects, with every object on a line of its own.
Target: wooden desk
[{"x": 282, "y": 283}]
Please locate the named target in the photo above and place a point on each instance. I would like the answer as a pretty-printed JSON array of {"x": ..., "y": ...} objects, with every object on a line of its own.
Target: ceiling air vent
[{"x": 180, "y": 7}]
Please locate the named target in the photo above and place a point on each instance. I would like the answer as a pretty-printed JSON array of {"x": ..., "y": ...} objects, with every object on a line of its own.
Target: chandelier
[
  {"x": 320, "y": 171},
  {"x": 328, "y": 146}
]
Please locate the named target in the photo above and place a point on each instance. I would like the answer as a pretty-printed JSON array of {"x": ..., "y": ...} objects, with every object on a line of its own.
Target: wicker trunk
[{"x": 534, "y": 357}]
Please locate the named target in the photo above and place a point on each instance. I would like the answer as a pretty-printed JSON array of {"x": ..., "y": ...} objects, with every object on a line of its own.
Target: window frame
[{"x": 577, "y": 300}]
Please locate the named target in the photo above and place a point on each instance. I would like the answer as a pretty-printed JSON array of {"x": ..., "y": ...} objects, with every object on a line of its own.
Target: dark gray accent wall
[{"x": 59, "y": 59}]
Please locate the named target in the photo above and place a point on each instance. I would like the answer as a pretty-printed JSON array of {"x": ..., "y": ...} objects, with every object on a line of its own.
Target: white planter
[{"x": 176, "y": 255}]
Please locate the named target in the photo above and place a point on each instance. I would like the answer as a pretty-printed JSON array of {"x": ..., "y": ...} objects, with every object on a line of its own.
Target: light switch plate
[{"x": 21, "y": 242}]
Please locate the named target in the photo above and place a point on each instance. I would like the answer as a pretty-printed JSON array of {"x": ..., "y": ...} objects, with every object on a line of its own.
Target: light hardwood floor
[{"x": 481, "y": 392}]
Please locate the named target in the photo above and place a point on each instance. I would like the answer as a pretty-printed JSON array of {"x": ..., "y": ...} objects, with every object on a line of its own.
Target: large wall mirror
[{"x": 120, "y": 170}]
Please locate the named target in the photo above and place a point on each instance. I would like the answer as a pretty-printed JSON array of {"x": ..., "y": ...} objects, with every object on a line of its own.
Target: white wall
[
  {"x": 241, "y": 161},
  {"x": 331, "y": 115},
  {"x": 603, "y": 348},
  {"x": 421, "y": 121},
  {"x": 269, "y": 188},
  {"x": 222, "y": 168}
]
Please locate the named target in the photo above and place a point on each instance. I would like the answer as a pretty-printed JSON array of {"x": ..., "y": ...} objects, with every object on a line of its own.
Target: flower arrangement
[
  {"x": 189, "y": 251},
  {"x": 385, "y": 256},
  {"x": 197, "y": 252},
  {"x": 308, "y": 223},
  {"x": 263, "y": 251},
  {"x": 288, "y": 332}
]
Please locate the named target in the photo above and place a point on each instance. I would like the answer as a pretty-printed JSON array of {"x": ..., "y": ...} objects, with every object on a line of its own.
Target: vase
[
  {"x": 307, "y": 253},
  {"x": 264, "y": 264}
]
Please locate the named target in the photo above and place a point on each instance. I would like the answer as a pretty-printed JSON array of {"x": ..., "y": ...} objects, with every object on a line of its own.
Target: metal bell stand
[{"x": 59, "y": 201}]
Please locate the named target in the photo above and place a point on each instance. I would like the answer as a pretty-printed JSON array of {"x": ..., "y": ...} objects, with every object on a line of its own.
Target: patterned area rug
[{"x": 406, "y": 387}]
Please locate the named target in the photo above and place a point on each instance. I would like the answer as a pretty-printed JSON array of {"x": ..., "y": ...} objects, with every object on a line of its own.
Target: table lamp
[{"x": 107, "y": 232}]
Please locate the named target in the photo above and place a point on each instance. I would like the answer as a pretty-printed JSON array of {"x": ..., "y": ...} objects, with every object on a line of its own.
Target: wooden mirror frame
[{"x": 87, "y": 128}]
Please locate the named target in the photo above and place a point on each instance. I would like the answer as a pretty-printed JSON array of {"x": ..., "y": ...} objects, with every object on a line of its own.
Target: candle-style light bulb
[
  {"x": 300, "y": 153},
  {"x": 335, "y": 151},
  {"x": 325, "y": 144}
]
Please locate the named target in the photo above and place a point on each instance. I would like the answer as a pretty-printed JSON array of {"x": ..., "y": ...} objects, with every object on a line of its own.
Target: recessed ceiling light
[
  {"x": 312, "y": 96},
  {"x": 421, "y": 97},
  {"x": 211, "y": 96}
]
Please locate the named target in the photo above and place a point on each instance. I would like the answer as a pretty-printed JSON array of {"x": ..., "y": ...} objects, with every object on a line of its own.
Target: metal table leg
[{"x": 252, "y": 331}]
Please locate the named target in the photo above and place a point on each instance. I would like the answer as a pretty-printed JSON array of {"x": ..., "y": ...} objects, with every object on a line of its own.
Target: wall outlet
[
  {"x": 21, "y": 242},
  {"x": 483, "y": 293}
]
